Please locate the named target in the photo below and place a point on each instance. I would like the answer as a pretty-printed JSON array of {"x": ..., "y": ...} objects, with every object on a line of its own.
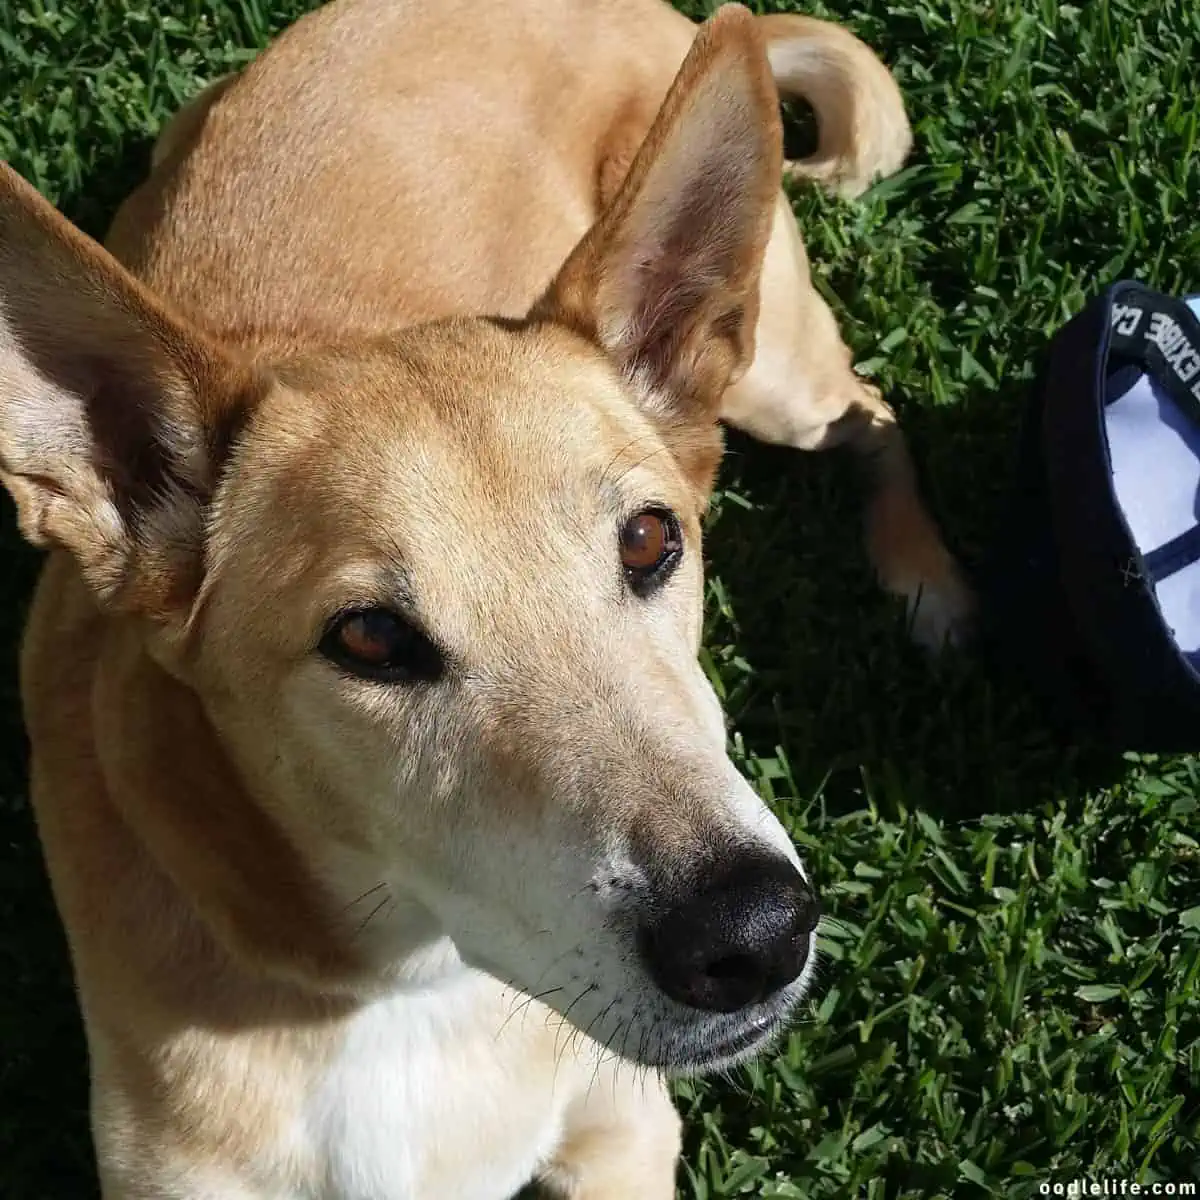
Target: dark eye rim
[
  {"x": 425, "y": 665},
  {"x": 645, "y": 581}
]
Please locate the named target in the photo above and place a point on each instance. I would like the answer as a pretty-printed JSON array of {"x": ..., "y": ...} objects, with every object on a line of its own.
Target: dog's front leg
[{"x": 621, "y": 1140}]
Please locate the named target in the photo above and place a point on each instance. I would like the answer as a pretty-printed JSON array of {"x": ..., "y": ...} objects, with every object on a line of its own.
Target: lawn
[{"x": 1011, "y": 995}]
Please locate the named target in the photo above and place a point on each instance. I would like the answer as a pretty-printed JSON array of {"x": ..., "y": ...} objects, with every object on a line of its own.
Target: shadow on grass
[
  {"x": 123, "y": 166},
  {"x": 831, "y": 683}
]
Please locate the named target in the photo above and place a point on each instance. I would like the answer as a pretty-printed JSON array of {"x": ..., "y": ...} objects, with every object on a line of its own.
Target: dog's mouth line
[
  {"x": 684, "y": 1052},
  {"x": 678, "y": 1047},
  {"x": 745, "y": 1040}
]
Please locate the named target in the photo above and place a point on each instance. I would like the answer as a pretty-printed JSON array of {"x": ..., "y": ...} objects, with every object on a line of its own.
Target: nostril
[
  {"x": 733, "y": 967},
  {"x": 722, "y": 984},
  {"x": 741, "y": 939}
]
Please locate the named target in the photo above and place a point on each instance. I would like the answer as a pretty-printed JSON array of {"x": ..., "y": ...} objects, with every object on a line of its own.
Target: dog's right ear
[
  {"x": 115, "y": 415},
  {"x": 667, "y": 280}
]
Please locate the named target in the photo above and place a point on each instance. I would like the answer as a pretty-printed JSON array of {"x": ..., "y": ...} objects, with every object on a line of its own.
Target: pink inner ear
[
  {"x": 677, "y": 274},
  {"x": 669, "y": 300},
  {"x": 666, "y": 280}
]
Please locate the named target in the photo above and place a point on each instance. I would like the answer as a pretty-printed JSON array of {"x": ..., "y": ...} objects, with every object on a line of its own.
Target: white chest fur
[{"x": 428, "y": 1096}]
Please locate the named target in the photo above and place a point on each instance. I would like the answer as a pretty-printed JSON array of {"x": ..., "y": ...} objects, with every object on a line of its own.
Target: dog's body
[{"x": 292, "y": 893}]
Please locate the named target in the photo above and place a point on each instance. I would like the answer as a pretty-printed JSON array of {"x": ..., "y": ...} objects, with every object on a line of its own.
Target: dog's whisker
[
  {"x": 565, "y": 1016},
  {"x": 371, "y": 916},
  {"x": 522, "y": 995},
  {"x": 617, "y": 1058},
  {"x": 379, "y": 527},
  {"x": 608, "y": 1054},
  {"x": 587, "y": 991},
  {"x": 359, "y": 899},
  {"x": 629, "y": 1028},
  {"x": 616, "y": 458},
  {"x": 524, "y": 1007},
  {"x": 597, "y": 1020},
  {"x": 633, "y": 466},
  {"x": 641, "y": 1056}
]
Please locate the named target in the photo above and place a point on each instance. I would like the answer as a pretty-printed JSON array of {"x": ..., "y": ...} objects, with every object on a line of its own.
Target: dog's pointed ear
[
  {"x": 667, "y": 280},
  {"x": 115, "y": 415}
]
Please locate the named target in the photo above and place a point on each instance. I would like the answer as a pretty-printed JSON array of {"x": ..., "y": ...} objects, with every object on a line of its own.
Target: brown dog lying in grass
[{"x": 386, "y": 805}]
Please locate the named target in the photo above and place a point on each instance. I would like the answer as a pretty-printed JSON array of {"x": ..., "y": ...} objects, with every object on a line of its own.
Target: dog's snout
[{"x": 737, "y": 939}]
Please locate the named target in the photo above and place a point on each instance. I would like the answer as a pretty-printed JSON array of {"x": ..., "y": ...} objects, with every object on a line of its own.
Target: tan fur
[{"x": 284, "y": 403}]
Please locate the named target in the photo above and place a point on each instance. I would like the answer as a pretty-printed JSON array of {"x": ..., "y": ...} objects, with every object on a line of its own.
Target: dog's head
[{"x": 439, "y": 596}]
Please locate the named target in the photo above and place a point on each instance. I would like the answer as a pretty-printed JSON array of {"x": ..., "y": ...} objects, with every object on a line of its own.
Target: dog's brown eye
[
  {"x": 651, "y": 543},
  {"x": 371, "y": 637},
  {"x": 380, "y": 644}
]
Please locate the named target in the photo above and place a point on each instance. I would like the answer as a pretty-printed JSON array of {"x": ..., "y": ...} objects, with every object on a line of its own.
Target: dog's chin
[
  {"x": 705, "y": 1045},
  {"x": 687, "y": 1051}
]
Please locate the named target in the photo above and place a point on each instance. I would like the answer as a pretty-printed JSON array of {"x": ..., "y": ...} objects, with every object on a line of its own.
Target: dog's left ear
[{"x": 667, "y": 280}]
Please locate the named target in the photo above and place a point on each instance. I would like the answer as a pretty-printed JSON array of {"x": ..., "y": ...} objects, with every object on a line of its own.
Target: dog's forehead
[
  {"x": 475, "y": 409},
  {"x": 463, "y": 452}
]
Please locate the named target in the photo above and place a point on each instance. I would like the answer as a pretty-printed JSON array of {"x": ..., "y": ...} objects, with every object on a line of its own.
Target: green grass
[{"x": 1013, "y": 953}]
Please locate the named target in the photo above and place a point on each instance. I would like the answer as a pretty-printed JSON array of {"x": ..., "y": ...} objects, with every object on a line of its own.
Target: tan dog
[{"x": 386, "y": 806}]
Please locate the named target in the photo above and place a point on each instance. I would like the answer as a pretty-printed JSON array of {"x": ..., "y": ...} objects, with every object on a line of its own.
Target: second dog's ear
[
  {"x": 667, "y": 280},
  {"x": 115, "y": 414}
]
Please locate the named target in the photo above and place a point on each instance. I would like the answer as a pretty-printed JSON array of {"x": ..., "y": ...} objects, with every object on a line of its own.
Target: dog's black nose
[{"x": 738, "y": 939}]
